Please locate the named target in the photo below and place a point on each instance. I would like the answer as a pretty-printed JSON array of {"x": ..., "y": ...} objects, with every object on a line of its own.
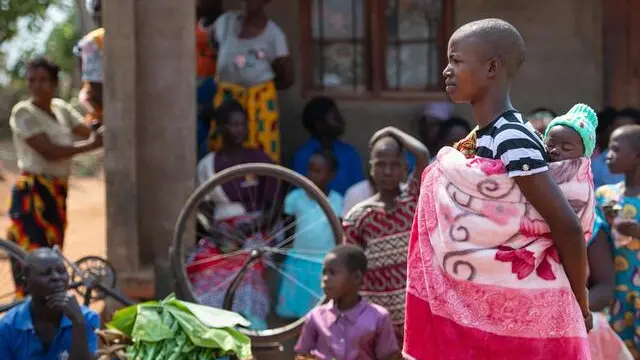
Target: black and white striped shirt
[{"x": 513, "y": 140}]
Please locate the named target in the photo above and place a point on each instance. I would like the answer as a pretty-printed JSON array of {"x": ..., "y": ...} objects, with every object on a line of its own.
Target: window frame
[{"x": 375, "y": 43}]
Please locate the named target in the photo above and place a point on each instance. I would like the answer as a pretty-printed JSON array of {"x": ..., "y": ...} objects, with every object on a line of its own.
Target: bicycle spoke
[
  {"x": 284, "y": 229},
  {"x": 269, "y": 218},
  {"x": 293, "y": 255},
  {"x": 225, "y": 234},
  {"x": 292, "y": 279},
  {"x": 219, "y": 257},
  {"x": 292, "y": 237}
]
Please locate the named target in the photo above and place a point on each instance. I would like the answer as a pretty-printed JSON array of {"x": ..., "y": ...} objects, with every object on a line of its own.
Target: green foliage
[
  {"x": 63, "y": 38},
  {"x": 33, "y": 11}
]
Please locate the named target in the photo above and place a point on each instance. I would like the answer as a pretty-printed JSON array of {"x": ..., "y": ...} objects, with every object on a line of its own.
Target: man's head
[
  {"x": 482, "y": 54},
  {"x": 322, "y": 119},
  {"x": 45, "y": 273},
  {"x": 343, "y": 271},
  {"x": 624, "y": 149},
  {"x": 389, "y": 167}
]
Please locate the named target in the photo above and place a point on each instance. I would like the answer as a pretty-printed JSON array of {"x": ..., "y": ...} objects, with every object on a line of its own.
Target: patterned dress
[
  {"x": 625, "y": 310},
  {"x": 384, "y": 235}
]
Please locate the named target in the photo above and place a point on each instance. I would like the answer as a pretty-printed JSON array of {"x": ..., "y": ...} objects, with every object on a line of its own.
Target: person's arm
[
  {"x": 55, "y": 152},
  {"x": 290, "y": 207},
  {"x": 82, "y": 340},
  {"x": 628, "y": 227},
  {"x": 308, "y": 337},
  {"x": 350, "y": 229},
  {"x": 566, "y": 231},
  {"x": 283, "y": 64},
  {"x": 413, "y": 145},
  {"x": 27, "y": 126},
  {"x": 82, "y": 131},
  {"x": 601, "y": 272},
  {"x": 76, "y": 122},
  {"x": 283, "y": 68},
  {"x": 95, "y": 93},
  {"x": 385, "y": 341}
]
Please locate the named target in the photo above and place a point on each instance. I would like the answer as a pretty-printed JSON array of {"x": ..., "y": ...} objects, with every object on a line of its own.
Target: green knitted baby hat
[{"x": 584, "y": 121}]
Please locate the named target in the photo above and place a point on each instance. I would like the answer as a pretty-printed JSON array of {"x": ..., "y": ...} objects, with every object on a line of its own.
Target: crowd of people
[{"x": 520, "y": 237}]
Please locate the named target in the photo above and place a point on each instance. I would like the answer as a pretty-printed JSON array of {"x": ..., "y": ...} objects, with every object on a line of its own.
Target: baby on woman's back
[{"x": 572, "y": 135}]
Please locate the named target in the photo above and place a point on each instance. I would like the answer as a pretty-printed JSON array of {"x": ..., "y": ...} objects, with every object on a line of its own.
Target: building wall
[{"x": 563, "y": 66}]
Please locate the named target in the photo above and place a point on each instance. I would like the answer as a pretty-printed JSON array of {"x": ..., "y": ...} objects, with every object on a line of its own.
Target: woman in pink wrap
[{"x": 497, "y": 263}]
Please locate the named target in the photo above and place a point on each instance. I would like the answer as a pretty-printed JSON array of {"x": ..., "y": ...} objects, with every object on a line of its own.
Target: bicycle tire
[
  {"x": 17, "y": 253},
  {"x": 108, "y": 266},
  {"x": 183, "y": 286}
]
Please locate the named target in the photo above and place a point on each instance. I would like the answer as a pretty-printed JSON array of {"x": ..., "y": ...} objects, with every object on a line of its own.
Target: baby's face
[{"x": 563, "y": 143}]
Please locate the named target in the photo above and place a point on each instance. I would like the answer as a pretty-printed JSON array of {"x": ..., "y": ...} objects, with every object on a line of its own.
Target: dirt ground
[
  {"x": 86, "y": 233},
  {"x": 86, "y": 206}
]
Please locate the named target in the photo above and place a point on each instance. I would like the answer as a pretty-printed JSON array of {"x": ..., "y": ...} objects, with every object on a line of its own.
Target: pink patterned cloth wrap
[
  {"x": 484, "y": 279},
  {"x": 605, "y": 343}
]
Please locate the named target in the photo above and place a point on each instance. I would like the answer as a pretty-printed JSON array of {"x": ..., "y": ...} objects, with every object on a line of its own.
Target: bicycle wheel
[
  {"x": 97, "y": 268},
  {"x": 12, "y": 259},
  {"x": 276, "y": 251}
]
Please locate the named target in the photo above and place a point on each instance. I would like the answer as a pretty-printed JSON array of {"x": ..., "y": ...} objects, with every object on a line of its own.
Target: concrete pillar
[{"x": 150, "y": 132}]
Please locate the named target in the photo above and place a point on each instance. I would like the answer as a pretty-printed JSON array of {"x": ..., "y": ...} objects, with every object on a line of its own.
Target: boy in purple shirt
[{"x": 347, "y": 327}]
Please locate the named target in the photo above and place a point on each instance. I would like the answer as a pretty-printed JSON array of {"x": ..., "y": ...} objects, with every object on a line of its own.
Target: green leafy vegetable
[{"x": 178, "y": 330}]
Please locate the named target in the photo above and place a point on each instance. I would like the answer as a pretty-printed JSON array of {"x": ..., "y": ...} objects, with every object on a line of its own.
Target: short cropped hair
[
  {"x": 388, "y": 139},
  {"x": 352, "y": 256},
  {"x": 631, "y": 133},
  {"x": 500, "y": 39}
]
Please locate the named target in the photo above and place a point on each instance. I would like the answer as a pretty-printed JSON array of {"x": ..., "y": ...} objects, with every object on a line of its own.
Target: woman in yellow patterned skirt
[
  {"x": 44, "y": 130},
  {"x": 253, "y": 64}
]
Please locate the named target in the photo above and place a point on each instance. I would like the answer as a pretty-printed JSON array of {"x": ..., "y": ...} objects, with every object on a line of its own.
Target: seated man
[{"x": 50, "y": 325}]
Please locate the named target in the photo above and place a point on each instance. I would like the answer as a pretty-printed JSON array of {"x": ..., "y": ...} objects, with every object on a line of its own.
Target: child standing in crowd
[
  {"x": 611, "y": 120},
  {"x": 313, "y": 237},
  {"x": 382, "y": 224},
  {"x": 442, "y": 323},
  {"x": 618, "y": 221},
  {"x": 572, "y": 136},
  {"x": 348, "y": 327},
  {"x": 323, "y": 121}
]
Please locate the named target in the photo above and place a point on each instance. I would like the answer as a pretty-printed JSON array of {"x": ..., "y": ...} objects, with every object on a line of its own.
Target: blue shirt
[
  {"x": 349, "y": 163},
  {"x": 313, "y": 231},
  {"x": 18, "y": 339}
]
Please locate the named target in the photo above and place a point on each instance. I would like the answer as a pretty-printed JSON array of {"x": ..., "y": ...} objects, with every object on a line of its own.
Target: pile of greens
[{"x": 175, "y": 330}]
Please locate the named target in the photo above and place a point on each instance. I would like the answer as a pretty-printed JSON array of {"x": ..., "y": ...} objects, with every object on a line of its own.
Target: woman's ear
[{"x": 493, "y": 66}]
